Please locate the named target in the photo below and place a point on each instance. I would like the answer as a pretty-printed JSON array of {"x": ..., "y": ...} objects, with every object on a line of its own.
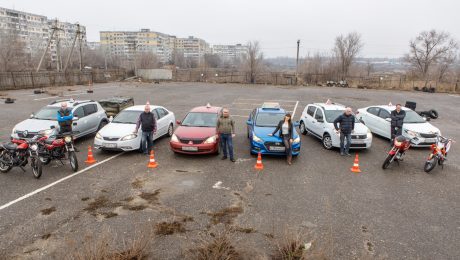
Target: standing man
[
  {"x": 397, "y": 120},
  {"x": 226, "y": 132},
  {"x": 344, "y": 125},
  {"x": 149, "y": 128},
  {"x": 64, "y": 118}
]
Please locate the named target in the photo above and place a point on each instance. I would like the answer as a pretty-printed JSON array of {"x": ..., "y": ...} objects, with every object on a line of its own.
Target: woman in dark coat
[{"x": 286, "y": 129}]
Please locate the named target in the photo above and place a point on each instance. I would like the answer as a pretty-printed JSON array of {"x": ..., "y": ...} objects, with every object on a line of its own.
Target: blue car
[{"x": 262, "y": 122}]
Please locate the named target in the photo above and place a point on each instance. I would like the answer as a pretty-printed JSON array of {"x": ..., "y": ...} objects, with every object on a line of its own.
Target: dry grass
[
  {"x": 168, "y": 228},
  {"x": 137, "y": 184},
  {"x": 151, "y": 197},
  {"x": 107, "y": 247},
  {"x": 214, "y": 247},
  {"x": 135, "y": 207},
  {"x": 226, "y": 215},
  {"x": 293, "y": 247}
]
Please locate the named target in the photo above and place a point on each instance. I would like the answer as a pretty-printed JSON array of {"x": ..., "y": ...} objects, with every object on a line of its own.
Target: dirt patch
[
  {"x": 135, "y": 207},
  {"x": 109, "y": 214},
  {"x": 151, "y": 197},
  {"x": 46, "y": 236},
  {"x": 48, "y": 199},
  {"x": 138, "y": 183},
  {"x": 128, "y": 199},
  {"x": 226, "y": 215},
  {"x": 99, "y": 203},
  {"x": 85, "y": 199},
  {"x": 48, "y": 211},
  {"x": 168, "y": 228},
  {"x": 244, "y": 230}
]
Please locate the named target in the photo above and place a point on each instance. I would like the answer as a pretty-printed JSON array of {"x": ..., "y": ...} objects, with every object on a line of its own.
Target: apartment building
[
  {"x": 230, "y": 52},
  {"x": 192, "y": 47}
]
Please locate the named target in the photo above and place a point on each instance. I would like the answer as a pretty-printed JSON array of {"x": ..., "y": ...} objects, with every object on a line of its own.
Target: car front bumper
[
  {"x": 178, "y": 147},
  {"x": 355, "y": 143},
  {"x": 129, "y": 145},
  {"x": 260, "y": 147},
  {"x": 420, "y": 141}
]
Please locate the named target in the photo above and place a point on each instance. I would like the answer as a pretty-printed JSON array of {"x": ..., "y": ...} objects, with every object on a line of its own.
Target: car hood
[
  {"x": 117, "y": 130},
  {"x": 35, "y": 125},
  {"x": 194, "y": 132},
  {"x": 424, "y": 128},
  {"x": 263, "y": 132},
  {"x": 360, "y": 129}
]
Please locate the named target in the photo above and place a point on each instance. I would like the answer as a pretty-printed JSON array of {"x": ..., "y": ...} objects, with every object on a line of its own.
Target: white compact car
[
  {"x": 318, "y": 120},
  {"x": 378, "y": 119},
  {"x": 118, "y": 134}
]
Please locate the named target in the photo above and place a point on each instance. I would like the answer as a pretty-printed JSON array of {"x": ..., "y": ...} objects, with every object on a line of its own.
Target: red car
[{"x": 197, "y": 133}]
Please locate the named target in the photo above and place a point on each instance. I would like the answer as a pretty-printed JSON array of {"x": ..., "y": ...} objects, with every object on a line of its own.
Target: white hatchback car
[
  {"x": 318, "y": 120},
  {"x": 118, "y": 134},
  {"x": 378, "y": 119}
]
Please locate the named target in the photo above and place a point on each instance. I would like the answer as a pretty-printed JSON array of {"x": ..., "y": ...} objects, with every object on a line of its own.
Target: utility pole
[
  {"x": 54, "y": 29},
  {"x": 297, "y": 63},
  {"x": 80, "y": 39},
  {"x": 78, "y": 35}
]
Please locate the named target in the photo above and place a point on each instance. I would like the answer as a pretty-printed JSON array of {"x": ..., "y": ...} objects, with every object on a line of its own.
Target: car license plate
[
  {"x": 430, "y": 140},
  {"x": 189, "y": 148},
  {"x": 109, "y": 145},
  {"x": 357, "y": 141},
  {"x": 277, "y": 149}
]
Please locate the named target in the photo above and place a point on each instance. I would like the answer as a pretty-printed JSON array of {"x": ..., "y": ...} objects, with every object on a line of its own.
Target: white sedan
[
  {"x": 378, "y": 119},
  {"x": 118, "y": 134}
]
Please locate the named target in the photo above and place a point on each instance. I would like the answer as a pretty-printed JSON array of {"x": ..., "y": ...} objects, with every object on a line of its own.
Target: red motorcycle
[
  {"x": 57, "y": 147},
  {"x": 400, "y": 145},
  {"x": 17, "y": 154},
  {"x": 438, "y": 154}
]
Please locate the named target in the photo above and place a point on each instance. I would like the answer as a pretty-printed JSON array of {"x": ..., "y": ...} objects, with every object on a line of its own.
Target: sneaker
[
  {"x": 224, "y": 157},
  {"x": 232, "y": 160}
]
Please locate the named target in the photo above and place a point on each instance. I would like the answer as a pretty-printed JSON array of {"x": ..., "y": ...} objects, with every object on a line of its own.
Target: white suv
[{"x": 318, "y": 120}]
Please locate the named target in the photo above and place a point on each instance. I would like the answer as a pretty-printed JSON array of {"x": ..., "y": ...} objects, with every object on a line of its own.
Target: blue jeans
[
  {"x": 342, "y": 145},
  {"x": 146, "y": 142},
  {"x": 226, "y": 140}
]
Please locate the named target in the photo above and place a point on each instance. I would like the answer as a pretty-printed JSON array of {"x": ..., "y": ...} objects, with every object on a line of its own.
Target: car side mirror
[
  {"x": 110, "y": 118},
  {"x": 249, "y": 122},
  {"x": 362, "y": 121},
  {"x": 296, "y": 123},
  {"x": 178, "y": 122},
  {"x": 75, "y": 118},
  {"x": 388, "y": 119}
]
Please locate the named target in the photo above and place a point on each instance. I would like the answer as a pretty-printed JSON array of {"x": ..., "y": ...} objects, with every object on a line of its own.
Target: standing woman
[{"x": 286, "y": 129}]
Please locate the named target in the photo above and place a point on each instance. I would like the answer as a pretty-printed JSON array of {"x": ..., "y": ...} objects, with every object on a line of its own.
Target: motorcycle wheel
[
  {"x": 36, "y": 167},
  {"x": 430, "y": 164},
  {"x": 45, "y": 161},
  {"x": 73, "y": 161},
  {"x": 387, "y": 161},
  {"x": 4, "y": 168}
]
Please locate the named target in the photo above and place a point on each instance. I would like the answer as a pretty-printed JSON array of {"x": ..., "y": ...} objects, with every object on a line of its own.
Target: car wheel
[
  {"x": 327, "y": 142},
  {"x": 170, "y": 130},
  {"x": 433, "y": 114},
  {"x": 303, "y": 129}
]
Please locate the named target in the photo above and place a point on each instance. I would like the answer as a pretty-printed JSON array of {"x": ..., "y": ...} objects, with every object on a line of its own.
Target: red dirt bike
[
  {"x": 400, "y": 145},
  {"x": 17, "y": 154},
  {"x": 58, "y": 147},
  {"x": 438, "y": 154}
]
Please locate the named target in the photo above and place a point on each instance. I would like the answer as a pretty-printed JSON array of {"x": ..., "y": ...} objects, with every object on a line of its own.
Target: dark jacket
[
  {"x": 225, "y": 125},
  {"x": 397, "y": 119},
  {"x": 347, "y": 123},
  {"x": 148, "y": 122},
  {"x": 65, "y": 117},
  {"x": 280, "y": 127}
]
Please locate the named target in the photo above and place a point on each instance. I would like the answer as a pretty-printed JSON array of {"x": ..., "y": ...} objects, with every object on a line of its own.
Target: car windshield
[
  {"x": 127, "y": 117},
  {"x": 198, "y": 119},
  {"x": 413, "y": 118},
  {"x": 47, "y": 113},
  {"x": 268, "y": 119},
  {"x": 331, "y": 115}
]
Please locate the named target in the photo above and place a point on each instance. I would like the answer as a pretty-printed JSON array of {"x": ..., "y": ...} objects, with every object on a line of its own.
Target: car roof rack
[
  {"x": 71, "y": 100},
  {"x": 271, "y": 105},
  {"x": 82, "y": 102}
]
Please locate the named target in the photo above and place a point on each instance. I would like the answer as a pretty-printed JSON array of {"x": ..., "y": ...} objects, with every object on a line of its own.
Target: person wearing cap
[
  {"x": 148, "y": 125},
  {"x": 397, "y": 121},
  {"x": 226, "y": 132},
  {"x": 344, "y": 125}
]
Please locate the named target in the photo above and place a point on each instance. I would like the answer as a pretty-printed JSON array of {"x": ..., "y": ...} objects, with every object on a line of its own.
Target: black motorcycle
[{"x": 17, "y": 154}]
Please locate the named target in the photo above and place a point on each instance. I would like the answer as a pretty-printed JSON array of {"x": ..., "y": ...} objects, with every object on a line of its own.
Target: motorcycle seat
[{"x": 10, "y": 146}]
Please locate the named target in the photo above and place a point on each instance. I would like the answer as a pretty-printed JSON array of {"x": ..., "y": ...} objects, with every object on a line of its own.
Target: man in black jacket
[
  {"x": 344, "y": 125},
  {"x": 397, "y": 120},
  {"x": 149, "y": 129}
]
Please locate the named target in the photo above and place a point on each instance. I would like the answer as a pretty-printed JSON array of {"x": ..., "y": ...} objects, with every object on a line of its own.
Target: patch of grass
[
  {"x": 244, "y": 230},
  {"x": 292, "y": 247},
  {"x": 48, "y": 211},
  {"x": 214, "y": 247},
  {"x": 168, "y": 228},
  {"x": 151, "y": 197},
  {"x": 137, "y": 184},
  {"x": 226, "y": 215}
]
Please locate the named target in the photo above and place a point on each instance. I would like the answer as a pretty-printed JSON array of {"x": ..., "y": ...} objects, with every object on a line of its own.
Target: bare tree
[
  {"x": 254, "y": 60},
  {"x": 430, "y": 48},
  {"x": 147, "y": 60},
  {"x": 444, "y": 65},
  {"x": 346, "y": 49},
  {"x": 12, "y": 53},
  {"x": 212, "y": 60}
]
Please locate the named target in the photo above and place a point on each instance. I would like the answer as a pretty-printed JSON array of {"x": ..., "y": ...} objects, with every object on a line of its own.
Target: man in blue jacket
[
  {"x": 64, "y": 118},
  {"x": 344, "y": 125}
]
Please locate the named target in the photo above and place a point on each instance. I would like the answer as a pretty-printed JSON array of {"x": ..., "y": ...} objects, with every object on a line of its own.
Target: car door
[
  {"x": 157, "y": 118},
  {"x": 78, "y": 123},
  {"x": 384, "y": 125},
  {"x": 371, "y": 119},
  {"x": 310, "y": 120},
  {"x": 251, "y": 123},
  {"x": 163, "y": 122},
  {"x": 91, "y": 118},
  {"x": 318, "y": 125}
]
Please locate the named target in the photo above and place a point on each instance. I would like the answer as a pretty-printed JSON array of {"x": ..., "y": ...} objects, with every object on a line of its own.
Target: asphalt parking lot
[{"x": 400, "y": 213}]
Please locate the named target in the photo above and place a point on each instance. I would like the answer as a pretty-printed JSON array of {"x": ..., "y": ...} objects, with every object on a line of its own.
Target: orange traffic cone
[
  {"x": 90, "y": 159},
  {"x": 152, "y": 162},
  {"x": 259, "y": 165},
  {"x": 355, "y": 167}
]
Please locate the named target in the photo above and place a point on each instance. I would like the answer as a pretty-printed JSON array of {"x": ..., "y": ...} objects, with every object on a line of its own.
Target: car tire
[
  {"x": 170, "y": 130},
  {"x": 302, "y": 128},
  {"x": 327, "y": 141},
  {"x": 433, "y": 114}
]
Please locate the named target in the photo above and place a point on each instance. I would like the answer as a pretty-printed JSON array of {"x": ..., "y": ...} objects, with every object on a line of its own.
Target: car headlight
[
  {"x": 46, "y": 132},
  {"x": 68, "y": 139},
  {"x": 412, "y": 133},
  {"x": 256, "y": 139},
  {"x": 34, "y": 147},
  {"x": 98, "y": 136},
  {"x": 296, "y": 140},
  {"x": 210, "y": 140},
  {"x": 14, "y": 131},
  {"x": 174, "y": 138},
  {"x": 129, "y": 137}
]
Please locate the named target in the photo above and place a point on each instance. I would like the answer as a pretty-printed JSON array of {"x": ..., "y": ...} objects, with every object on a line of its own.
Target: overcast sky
[{"x": 386, "y": 25}]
